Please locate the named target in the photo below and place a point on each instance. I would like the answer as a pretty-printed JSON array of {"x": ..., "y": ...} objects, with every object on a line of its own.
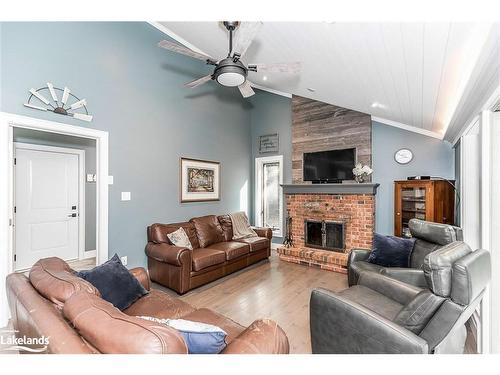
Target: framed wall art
[
  {"x": 269, "y": 143},
  {"x": 199, "y": 180}
]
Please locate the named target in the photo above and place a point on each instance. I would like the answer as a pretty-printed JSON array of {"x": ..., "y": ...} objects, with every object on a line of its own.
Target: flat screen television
[{"x": 329, "y": 166}]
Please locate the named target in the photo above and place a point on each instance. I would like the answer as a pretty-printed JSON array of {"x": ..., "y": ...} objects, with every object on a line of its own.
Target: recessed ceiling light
[
  {"x": 311, "y": 89},
  {"x": 264, "y": 78},
  {"x": 377, "y": 105}
]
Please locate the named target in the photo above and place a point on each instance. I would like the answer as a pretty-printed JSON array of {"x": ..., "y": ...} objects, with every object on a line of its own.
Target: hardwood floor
[{"x": 277, "y": 290}]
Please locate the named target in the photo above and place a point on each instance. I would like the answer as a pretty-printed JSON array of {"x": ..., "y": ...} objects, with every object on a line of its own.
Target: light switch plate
[
  {"x": 125, "y": 195},
  {"x": 110, "y": 180}
]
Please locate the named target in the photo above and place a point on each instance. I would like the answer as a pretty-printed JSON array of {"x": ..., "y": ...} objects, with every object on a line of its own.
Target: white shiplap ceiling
[{"x": 404, "y": 74}]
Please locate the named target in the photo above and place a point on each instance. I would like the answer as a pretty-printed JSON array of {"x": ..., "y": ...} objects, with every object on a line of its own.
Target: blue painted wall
[
  {"x": 135, "y": 92},
  {"x": 270, "y": 114},
  {"x": 430, "y": 157}
]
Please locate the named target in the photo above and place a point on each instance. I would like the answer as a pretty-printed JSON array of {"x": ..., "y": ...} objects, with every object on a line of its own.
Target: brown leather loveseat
[
  {"x": 214, "y": 255},
  {"x": 56, "y": 304}
]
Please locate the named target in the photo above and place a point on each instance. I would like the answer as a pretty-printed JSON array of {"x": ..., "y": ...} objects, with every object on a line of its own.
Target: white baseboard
[{"x": 89, "y": 254}]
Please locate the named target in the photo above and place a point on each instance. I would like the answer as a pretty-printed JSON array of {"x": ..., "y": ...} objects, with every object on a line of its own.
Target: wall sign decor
[
  {"x": 199, "y": 180},
  {"x": 269, "y": 143},
  {"x": 403, "y": 156},
  {"x": 65, "y": 104}
]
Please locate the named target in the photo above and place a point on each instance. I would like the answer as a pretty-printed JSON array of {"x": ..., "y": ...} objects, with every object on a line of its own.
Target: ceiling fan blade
[
  {"x": 174, "y": 47},
  {"x": 199, "y": 81},
  {"x": 245, "y": 34},
  {"x": 293, "y": 67},
  {"x": 246, "y": 90}
]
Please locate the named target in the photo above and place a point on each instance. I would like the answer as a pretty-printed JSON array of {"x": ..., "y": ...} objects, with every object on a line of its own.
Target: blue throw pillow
[
  {"x": 115, "y": 283},
  {"x": 200, "y": 338},
  {"x": 390, "y": 251}
]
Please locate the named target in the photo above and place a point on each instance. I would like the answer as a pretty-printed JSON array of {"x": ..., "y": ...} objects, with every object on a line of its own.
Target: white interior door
[{"x": 47, "y": 205}]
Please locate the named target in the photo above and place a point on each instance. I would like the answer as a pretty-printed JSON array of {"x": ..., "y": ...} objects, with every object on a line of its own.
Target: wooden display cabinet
[{"x": 430, "y": 200}]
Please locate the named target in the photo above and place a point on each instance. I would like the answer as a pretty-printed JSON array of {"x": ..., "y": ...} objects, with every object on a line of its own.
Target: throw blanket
[{"x": 241, "y": 226}]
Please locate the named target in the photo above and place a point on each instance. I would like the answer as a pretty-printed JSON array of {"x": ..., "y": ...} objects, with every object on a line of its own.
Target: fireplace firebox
[{"x": 327, "y": 235}]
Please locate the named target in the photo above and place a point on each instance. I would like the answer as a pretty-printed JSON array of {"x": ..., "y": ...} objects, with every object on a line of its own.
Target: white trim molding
[
  {"x": 10, "y": 121},
  {"x": 409, "y": 128},
  {"x": 259, "y": 162}
]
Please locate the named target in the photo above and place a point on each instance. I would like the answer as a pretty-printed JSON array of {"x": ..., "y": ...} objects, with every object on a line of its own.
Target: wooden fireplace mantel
[{"x": 351, "y": 188}]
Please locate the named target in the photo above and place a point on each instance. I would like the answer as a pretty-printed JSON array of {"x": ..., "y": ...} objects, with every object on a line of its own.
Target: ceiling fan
[{"x": 231, "y": 71}]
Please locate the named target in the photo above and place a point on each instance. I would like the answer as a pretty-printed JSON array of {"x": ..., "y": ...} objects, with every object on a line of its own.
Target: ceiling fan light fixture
[
  {"x": 230, "y": 73},
  {"x": 231, "y": 79}
]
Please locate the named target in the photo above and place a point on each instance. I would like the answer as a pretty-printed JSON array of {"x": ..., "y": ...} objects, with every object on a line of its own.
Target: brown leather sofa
[
  {"x": 53, "y": 302},
  {"x": 214, "y": 253}
]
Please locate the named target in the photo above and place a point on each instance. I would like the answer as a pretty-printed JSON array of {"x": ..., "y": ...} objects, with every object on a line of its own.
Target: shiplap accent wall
[{"x": 318, "y": 126}]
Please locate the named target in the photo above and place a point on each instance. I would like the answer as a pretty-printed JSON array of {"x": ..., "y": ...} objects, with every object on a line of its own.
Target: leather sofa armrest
[
  {"x": 162, "y": 252},
  {"x": 142, "y": 276},
  {"x": 263, "y": 336},
  {"x": 263, "y": 232},
  {"x": 389, "y": 287},
  {"x": 339, "y": 325},
  {"x": 412, "y": 276}
]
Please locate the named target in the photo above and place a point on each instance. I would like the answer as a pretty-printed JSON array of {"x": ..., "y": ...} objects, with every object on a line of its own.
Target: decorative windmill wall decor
[{"x": 67, "y": 105}]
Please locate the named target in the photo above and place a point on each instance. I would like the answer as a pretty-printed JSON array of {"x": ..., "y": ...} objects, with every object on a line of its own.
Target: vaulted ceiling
[{"x": 404, "y": 74}]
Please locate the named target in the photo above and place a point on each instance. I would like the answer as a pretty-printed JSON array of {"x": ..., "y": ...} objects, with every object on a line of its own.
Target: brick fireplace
[{"x": 352, "y": 206}]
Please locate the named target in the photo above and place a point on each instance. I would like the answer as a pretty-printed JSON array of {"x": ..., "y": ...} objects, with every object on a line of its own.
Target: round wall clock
[{"x": 403, "y": 156}]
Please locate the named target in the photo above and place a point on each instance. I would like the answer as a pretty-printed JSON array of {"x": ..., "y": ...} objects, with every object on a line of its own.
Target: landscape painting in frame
[{"x": 200, "y": 180}]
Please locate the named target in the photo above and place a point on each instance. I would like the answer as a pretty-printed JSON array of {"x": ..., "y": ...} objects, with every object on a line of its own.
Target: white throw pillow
[{"x": 180, "y": 238}]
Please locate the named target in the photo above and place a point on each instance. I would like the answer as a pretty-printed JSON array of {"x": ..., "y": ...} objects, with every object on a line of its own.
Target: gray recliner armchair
[
  {"x": 429, "y": 237},
  {"x": 385, "y": 315}
]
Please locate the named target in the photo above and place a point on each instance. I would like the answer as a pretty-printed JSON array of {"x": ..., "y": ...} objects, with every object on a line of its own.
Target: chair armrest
[
  {"x": 170, "y": 254},
  {"x": 339, "y": 325},
  {"x": 411, "y": 276},
  {"x": 263, "y": 336},
  {"x": 142, "y": 276},
  {"x": 389, "y": 287},
  {"x": 357, "y": 255},
  {"x": 263, "y": 232}
]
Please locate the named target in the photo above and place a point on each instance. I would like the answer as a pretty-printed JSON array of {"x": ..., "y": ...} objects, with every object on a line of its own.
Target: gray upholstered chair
[
  {"x": 385, "y": 315},
  {"x": 429, "y": 237}
]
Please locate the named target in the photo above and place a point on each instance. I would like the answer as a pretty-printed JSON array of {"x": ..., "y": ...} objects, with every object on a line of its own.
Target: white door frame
[
  {"x": 81, "y": 186},
  {"x": 10, "y": 121},
  {"x": 258, "y": 180}
]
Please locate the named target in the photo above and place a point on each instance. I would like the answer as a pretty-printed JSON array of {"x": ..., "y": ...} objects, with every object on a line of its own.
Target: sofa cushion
[
  {"x": 203, "y": 258},
  {"x": 180, "y": 239},
  {"x": 115, "y": 283},
  {"x": 372, "y": 300},
  {"x": 227, "y": 226},
  {"x": 232, "y": 249},
  {"x": 417, "y": 313},
  {"x": 111, "y": 331},
  {"x": 159, "y": 305},
  {"x": 256, "y": 243},
  {"x": 208, "y": 230},
  {"x": 441, "y": 234},
  {"x": 390, "y": 251},
  {"x": 232, "y": 328},
  {"x": 157, "y": 233},
  {"x": 56, "y": 281},
  {"x": 438, "y": 266}
]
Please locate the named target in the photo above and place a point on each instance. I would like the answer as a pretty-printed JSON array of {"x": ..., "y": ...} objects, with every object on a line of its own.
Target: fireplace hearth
[{"x": 326, "y": 235}]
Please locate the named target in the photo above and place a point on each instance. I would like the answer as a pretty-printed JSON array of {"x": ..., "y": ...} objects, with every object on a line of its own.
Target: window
[{"x": 268, "y": 196}]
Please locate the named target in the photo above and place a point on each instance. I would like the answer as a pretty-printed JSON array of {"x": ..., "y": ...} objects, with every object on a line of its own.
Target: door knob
[{"x": 72, "y": 215}]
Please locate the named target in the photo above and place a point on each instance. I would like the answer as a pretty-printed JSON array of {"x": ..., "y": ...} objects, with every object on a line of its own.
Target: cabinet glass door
[{"x": 412, "y": 206}]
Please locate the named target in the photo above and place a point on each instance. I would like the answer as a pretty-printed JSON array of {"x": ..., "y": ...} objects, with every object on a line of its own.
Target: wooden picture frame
[{"x": 199, "y": 180}]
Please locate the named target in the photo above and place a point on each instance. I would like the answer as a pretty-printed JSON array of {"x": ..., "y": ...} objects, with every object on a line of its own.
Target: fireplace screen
[{"x": 328, "y": 235}]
